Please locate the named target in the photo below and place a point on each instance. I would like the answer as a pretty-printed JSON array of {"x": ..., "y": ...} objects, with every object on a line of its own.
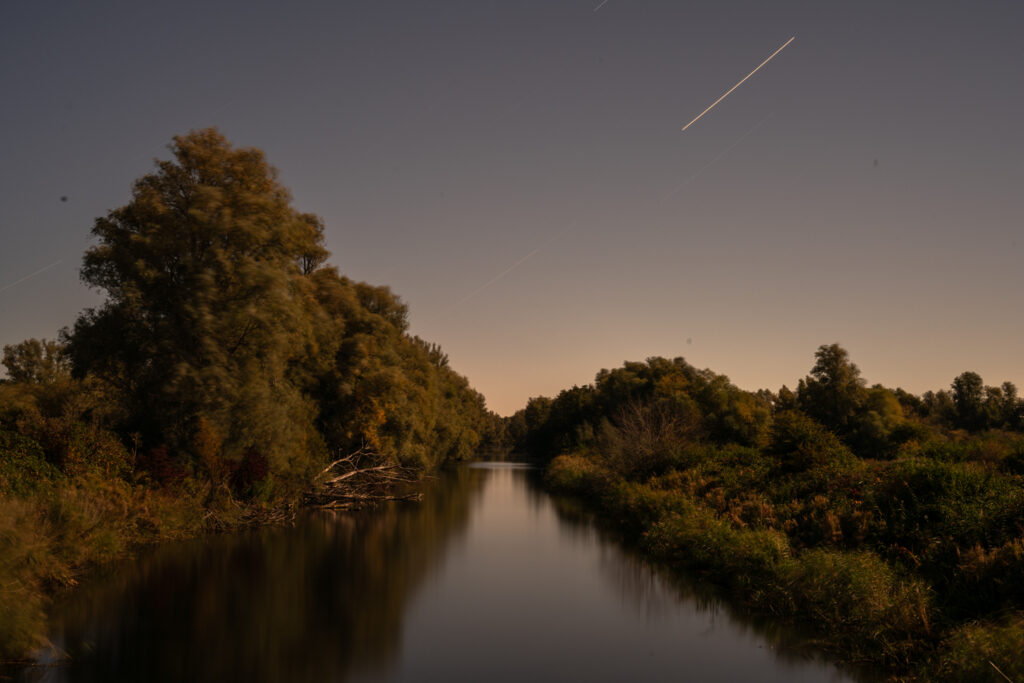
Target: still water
[{"x": 487, "y": 579}]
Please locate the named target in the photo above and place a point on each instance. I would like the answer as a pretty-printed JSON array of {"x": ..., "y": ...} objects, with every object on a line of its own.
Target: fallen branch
[
  {"x": 355, "y": 503},
  {"x": 354, "y": 473},
  {"x": 361, "y": 478}
]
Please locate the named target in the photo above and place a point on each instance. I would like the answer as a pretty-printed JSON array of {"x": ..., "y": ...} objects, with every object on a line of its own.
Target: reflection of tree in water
[
  {"x": 657, "y": 591},
  {"x": 313, "y": 602}
]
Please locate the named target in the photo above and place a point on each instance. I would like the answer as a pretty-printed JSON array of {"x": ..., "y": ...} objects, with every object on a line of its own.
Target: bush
[
  {"x": 859, "y": 598},
  {"x": 991, "y": 579},
  {"x": 744, "y": 559},
  {"x": 974, "y": 653},
  {"x": 47, "y": 540},
  {"x": 87, "y": 448},
  {"x": 646, "y": 439},
  {"x": 1013, "y": 463},
  {"x": 23, "y": 466},
  {"x": 576, "y": 475},
  {"x": 26, "y": 562},
  {"x": 800, "y": 443},
  {"x": 927, "y": 502},
  {"x": 637, "y": 506}
]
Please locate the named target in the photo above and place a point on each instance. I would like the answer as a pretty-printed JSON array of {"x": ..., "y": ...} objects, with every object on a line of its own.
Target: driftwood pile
[{"x": 361, "y": 479}]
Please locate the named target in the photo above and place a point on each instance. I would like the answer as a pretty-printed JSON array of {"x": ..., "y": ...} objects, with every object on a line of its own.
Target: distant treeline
[
  {"x": 227, "y": 367},
  {"x": 891, "y": 522}
]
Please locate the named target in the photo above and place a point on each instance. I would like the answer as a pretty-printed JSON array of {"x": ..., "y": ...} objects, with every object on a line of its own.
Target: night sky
[{"x": 517, "y": 173}]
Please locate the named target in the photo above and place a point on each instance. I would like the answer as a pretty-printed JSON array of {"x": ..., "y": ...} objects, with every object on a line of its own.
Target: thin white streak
[
  {"x": 603, "y": 3},
  {"x": 29, "y": 277},
  {"x": 497, "y": 277},
  {"x": 721, "y": 154},
  {"x": 740, "y": 83},
  {"x": 518, "y": 263}
]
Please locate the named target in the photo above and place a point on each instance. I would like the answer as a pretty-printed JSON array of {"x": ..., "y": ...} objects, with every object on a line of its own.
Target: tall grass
[
  {"x": 49, "y": 539},
  {"x": 887, "y": 559}
]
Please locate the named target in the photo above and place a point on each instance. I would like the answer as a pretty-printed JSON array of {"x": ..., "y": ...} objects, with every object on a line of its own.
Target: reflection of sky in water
[
  {"x": 483, "y": 581},
  {"x": 530, "y": 596}
]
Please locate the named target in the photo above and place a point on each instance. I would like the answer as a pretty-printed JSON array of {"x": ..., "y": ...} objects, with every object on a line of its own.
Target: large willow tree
[
  {"x": 209, "y": 309},
  {"x": 227, "y": 340}
]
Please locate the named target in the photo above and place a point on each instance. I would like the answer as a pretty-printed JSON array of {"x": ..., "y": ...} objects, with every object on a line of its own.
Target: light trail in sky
[
  {"x": 699, "y": 172},
  {"x": 533, "y": 253},
  {"x": 770, "y": 57},
  {"x": 516, "y": 264},
  {"x": 603, "y": 3},
  {"x": 31, "y": 275},
  {"x": 498, "y": 277}
]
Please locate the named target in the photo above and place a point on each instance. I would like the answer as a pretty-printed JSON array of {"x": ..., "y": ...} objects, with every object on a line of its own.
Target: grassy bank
[
  {"x": 892, "y": 524},
  {"x": 50, "y": 539},
  {"x": 818, "y": 547}
]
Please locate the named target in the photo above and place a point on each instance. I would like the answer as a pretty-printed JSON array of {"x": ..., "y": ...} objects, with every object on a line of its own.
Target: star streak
[{"x": 770, "y": 57}]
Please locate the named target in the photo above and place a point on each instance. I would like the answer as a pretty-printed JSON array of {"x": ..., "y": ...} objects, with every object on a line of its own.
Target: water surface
[{"x": 487, "y": 579}]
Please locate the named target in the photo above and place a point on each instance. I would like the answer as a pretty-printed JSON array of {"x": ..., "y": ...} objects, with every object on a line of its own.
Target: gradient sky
[{"x": 866, "y": 186}]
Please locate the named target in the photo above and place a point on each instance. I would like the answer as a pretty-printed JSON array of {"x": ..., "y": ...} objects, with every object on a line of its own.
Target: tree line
[
  {"x": 888, "y": 522},
  {"x": 874, "y": 421}
]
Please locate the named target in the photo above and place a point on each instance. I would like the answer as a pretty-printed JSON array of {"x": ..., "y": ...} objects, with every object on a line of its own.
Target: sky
[{"x": 517, "y": 171}]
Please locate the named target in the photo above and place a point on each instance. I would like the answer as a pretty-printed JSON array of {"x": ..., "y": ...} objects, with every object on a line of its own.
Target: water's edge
[{"x": 489, "y": 576}]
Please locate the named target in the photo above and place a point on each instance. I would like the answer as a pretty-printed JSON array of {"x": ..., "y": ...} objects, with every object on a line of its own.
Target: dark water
[{"x": 488, "y": 579}]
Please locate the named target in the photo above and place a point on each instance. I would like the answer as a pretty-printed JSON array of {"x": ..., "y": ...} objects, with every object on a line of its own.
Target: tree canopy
[
  {"x": 834, "y": 391},
  {"x": 207, "y": 309},
  {"x": 225, "y": 334}
]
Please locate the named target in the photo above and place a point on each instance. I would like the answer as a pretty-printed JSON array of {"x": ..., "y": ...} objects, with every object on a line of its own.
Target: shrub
[
  {"x": 923, "y": 502},
  {"x": 91, "y": 520},
  {"x": 744, "y": 559},
  {"x": 23, "y": 466},
  {"x": 26, "y": 562},
  {"x": 637, "y": 506},
  {"x": 991, "y": 579},
  {"x": 800, "y": 443},
  {"x": 48, "y": 539},
  {"x": 859, "y": 597},
  {"x": 577, "y": 475},
  {"x": 1013, "y": 463},
  {"x": 646, "y": 439},
  {"x": 975, "y": 651},
  {"x": 86, "y": 448}
]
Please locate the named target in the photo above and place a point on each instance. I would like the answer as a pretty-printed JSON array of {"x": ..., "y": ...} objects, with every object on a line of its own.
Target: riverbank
[
  {"x": 67, "y": 528},
  {"x": 50, "y": 540},
  {"x": 487, "y": 577},
  {"x": 227, "y": 366},
  {"x": 712, "y": 516}
]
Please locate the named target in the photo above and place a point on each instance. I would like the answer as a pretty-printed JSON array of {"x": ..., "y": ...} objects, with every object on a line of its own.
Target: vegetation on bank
[
  {"x": 891, "y": 523},
  {"x": 228, "y": 366}
]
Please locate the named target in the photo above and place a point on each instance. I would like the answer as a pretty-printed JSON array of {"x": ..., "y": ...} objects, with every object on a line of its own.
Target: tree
[
  {"x": 834, "y": 391},
  {"x": 1012, "y": 412},
  {"x": 969, "y": 399},
  {"x": 875, "y": 427},
  {"x": 384, "y": 390},
  {"x": 938, "y": 406},
  {"x": 209, "y": 306},
  {"x": 35, "y": 361},
  {"x": 786, "y": 400}
]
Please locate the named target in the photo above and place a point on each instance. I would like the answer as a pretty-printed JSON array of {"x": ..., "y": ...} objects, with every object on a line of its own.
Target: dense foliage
[
  {"x": 227, "y": 366},
  {"x": 893, "y": 523}
]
